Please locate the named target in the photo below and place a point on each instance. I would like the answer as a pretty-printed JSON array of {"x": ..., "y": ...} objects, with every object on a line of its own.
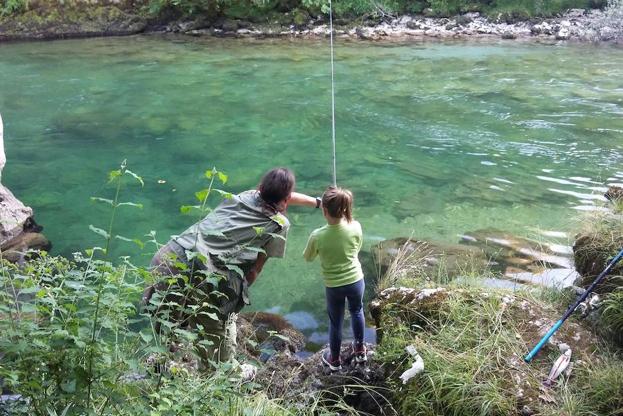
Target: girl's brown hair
[{"x": 338, "y": 202}]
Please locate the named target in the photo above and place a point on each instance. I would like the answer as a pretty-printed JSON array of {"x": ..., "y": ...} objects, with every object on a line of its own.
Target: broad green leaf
[
  {"x": 279, "y": 219},
  {"x": 225, "y": 194},
  {"x": 130, "y": 204},
  {"x": 189, "y": 209},
  {"x": 210, "y": 173},
  {"x": 186, "y": 334},
  {"x": 99, "y": 231},
  {"x": 135, "y": 176},
  {"x": 222, "y": 177},
  {"x": 202, "y": 194},
  {"x": 90, "y": 251},
  {"x": 236, "y": 269},
  {"x": 277, "y": 236},
  {"x": 97, "y": 199},
  {"x": 210, "y": 315},
  {"x": 113, "y": 174},
  {"x": 131, "y": 240}
]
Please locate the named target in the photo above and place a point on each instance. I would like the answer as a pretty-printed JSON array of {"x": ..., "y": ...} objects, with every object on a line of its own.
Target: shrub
[{"x": 8, "y": 7}]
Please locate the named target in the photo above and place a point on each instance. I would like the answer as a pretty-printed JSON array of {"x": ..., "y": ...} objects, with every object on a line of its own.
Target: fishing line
[{"x": 332, "y": 95}]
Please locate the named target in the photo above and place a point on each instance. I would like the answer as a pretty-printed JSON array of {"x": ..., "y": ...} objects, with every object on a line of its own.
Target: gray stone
[
  {"x": 563, "y": 34},
  {"x": 413, "y": 25}
]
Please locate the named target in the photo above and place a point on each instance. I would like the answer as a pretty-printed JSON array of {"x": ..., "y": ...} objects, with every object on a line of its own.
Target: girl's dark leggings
[{"x": 336, "y": 301}]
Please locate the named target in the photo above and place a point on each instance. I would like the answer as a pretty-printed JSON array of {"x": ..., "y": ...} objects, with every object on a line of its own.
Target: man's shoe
[
  {"x": 334, "y": 365},
  {"x": 360, "y": 352}
]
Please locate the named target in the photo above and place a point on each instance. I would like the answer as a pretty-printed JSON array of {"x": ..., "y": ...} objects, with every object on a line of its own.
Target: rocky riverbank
[
  {"x": 577, "y": 24},
  {"x": 115, "y": 20}
]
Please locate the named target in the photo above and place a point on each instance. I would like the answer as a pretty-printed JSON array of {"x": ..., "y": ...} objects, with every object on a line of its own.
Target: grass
[
  {"x": 472, "y": 342},
  {"x": 600, "y": 239}
]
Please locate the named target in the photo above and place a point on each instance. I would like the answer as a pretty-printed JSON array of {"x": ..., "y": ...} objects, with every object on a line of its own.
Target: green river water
[{"x": 434, "y": 139}]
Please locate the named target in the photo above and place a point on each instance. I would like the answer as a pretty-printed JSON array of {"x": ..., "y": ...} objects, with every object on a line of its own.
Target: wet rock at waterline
[
  {"x": 18, "y": 230},
  {"x": 261, "y": 334},
  {"x": 427, "y": 259}
]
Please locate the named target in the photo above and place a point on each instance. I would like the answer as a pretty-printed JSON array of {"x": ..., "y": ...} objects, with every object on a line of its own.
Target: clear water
[{"x": 435, "y": 139}]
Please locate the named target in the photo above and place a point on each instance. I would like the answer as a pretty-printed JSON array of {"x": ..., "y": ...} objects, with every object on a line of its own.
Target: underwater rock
[
  {"x": 16, "y": 250},
  {"x": 18, "y": 230},
  {"x": 266, "y": 333},
  {"x": 428, "y": 259},
  {"x": 514, "y": 252},
  {"x": 555, "y": 278}
]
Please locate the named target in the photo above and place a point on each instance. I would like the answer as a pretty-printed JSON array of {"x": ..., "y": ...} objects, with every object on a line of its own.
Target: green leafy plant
[{"x": 9, "y": 7}]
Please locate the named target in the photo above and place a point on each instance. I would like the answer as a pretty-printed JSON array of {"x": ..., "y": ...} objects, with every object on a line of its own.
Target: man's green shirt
[{"x": 338, "y": 246}]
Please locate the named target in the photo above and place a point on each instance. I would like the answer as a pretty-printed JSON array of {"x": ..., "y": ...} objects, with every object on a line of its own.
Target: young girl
[{"x": 338, "y": 244}]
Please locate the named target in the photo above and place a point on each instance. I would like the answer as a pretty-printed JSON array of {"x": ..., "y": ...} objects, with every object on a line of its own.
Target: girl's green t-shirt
[{"x": 337, "y": 246}]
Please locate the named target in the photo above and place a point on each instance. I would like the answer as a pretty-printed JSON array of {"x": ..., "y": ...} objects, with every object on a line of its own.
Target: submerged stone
[
  {"x": 510, "y": 251},
  {"x": 428, "y": 259},
  {"x": 554, "y": 278}
]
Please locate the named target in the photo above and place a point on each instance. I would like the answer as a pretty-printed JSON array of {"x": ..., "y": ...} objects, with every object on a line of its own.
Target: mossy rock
[{"x": 591, "y": 253}]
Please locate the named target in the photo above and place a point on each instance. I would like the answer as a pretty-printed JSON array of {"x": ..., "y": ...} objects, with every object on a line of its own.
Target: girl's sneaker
[
  {"x": 334, "y": 365},
  {"x": 360, "y": 352}
]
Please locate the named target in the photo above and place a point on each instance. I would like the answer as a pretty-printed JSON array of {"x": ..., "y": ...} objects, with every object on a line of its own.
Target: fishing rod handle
[{"x": 542, "y": 342}]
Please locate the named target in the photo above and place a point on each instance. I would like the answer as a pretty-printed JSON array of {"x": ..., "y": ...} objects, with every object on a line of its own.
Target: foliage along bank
[{"x": 44, "y": 19}]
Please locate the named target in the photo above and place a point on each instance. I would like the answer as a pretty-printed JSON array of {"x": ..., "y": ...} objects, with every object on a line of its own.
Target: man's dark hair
[{"x": 276, "y": 185}]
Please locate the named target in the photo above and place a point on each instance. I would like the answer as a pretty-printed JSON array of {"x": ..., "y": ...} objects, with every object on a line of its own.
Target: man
[{"x": 219, "y": 257}]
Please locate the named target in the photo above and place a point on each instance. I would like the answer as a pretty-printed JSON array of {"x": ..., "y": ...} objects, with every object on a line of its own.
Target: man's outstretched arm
[{"x": 302, "y": 199}]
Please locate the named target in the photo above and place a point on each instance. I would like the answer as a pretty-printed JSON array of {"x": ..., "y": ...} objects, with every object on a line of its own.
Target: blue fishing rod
[{"x": 572, "y": 308}]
